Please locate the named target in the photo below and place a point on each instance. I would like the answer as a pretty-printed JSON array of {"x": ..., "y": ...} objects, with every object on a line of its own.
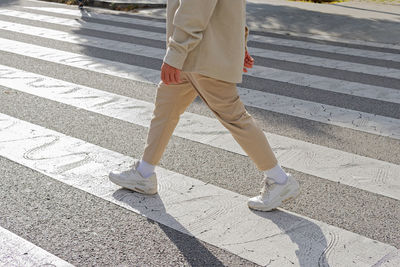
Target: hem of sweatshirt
[{"x": 215, "y": 76}]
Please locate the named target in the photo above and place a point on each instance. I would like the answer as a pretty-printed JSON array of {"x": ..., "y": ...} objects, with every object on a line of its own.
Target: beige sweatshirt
[{"x": 207, "y": 37}]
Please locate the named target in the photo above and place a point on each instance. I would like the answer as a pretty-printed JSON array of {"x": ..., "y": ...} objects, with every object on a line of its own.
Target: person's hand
[
  {"x": 248, "y": 61},
  {"x": 170, "y": 75}
]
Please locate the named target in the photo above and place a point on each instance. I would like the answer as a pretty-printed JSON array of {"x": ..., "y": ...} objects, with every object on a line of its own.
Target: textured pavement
[{"x": 84, "y": 229}]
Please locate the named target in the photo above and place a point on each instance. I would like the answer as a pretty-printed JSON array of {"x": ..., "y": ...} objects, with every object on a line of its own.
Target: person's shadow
[
  {"x": 312, "y": 248},
  {"x": 153, "y": 208}
]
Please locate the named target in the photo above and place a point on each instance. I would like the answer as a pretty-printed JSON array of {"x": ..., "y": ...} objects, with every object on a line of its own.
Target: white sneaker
[
  {"x": 272, "y": 195},
  {"x": 133, "y": 180}
]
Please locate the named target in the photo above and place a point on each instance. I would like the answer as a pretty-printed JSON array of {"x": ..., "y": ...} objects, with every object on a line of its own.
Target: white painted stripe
[
  {"x": 90, "y": 14},
  {"x": 319, "y": 82},
  {"x": 16, "y": 251},
  {"x": 390, "y": 260},
  {"x": 81, "y": 61},
  {"x": 211, "y": 214},
  {"x": 129, "y": 48},
  {"x": 83, "y": 24},
  {"x": 252, "y": 37},
  {"x": 327, "y": 84},
  {"x": 289, "y": 57},
  {"x": 365, "y": 173},
  {"x": 326, "y": 48},
  {"x": 327, "y": 63},
  {"x": 342, "y": 117},
  {"x": 148, "y": 13}
]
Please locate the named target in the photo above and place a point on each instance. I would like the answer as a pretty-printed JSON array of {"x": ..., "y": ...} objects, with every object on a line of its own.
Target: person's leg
[
  {"x": 171, "y": 102},
  {"x": 80, "y": 3},
  {"x": 222, "y": 98}
]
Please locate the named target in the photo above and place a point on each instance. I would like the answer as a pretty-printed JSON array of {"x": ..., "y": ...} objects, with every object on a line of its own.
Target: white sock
[
  {"x": 277, "y": 174},
  {"x": 145, "y": 169}
]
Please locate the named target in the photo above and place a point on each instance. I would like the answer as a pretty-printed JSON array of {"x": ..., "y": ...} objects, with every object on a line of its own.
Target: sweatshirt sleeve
[
  {"x": 190, "y": 20},
  {"x": 246, "y": 35}
]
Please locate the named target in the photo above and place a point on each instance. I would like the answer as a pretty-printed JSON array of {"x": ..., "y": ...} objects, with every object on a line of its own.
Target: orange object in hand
[{"x": 169, "y": 74}]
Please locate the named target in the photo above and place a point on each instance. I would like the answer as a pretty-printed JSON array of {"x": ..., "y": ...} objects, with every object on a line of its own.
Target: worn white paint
[
  {"x": 81, "y": 24},
  {"x": 211, "y": 214},
  {"x": 326, "y": 48},
  {"x": 81, "y": 61},
  {"x": 133, "y": 19},
  {"x": 289, "y": 57},
  {"x": 327, "y": 63},
  {"x": 112, "y": 45},
  {"x": 356, "y": 120},
  {"x": 252, "y": 37},
  {"x": 16, "y": 251},
  {"x": 365, "y": 173},
  {"x": 319, "y": 82}
]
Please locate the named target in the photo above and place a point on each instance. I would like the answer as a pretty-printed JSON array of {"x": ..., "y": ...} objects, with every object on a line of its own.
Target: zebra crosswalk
[
  {"x": 375, "y": 124},
  {"x": 15, "y": 251},
  {"x": 292, "y": 153},
  {"x": 212, "y": 209},
  {"x": 332, "y": 118}
]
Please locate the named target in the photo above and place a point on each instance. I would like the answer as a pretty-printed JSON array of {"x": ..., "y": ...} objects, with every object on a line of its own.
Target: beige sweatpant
[{"x": 223, "y": 100}]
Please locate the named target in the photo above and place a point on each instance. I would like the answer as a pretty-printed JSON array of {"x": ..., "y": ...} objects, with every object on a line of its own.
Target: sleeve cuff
[
  {"x": 246, "y": 35},
  {"x": 174, "y": 58}
]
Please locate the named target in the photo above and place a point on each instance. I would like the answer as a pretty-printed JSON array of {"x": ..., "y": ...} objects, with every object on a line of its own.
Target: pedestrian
[
  {"x": 80, "y": 4},
  {"x": 206, "y": 56}
]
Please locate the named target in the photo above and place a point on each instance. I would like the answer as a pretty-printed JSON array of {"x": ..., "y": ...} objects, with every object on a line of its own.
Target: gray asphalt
[
  {"x": 387, "y": 149},
  {"x": 85, "y": 230},
  {"x": 326, "y": 201}
]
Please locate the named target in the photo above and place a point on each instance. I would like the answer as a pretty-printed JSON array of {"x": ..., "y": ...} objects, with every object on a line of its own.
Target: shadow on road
[
  {"x": 312, "y": 246},
  {"x": 8, "y": 2},
  {"x": 296, "y": 20},
  {"x": 152, "y": 207}
]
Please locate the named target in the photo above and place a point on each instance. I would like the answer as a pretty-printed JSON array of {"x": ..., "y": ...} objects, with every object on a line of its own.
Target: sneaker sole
[{"x": 132, "y": 187}]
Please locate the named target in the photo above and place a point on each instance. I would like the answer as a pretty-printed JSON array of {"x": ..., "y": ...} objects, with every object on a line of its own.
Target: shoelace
[
  {"x": 266, "y": 185},
  {"x": 134, "y": 164}
]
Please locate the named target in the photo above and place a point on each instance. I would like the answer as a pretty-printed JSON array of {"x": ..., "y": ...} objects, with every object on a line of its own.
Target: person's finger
[
  {"x": 164, "y": 72},
  {"x": 249, "y": 59},
  {"x": 177, "y": 76},
  {"x": 163, "y": 76},
  {"x": 171, "y": 77},
  {"x": 174, "y": 76},
  {"x": 166, "y": 77},
  {"x": 249, "y": 62},
  {"x": 248, "y": 65}
]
